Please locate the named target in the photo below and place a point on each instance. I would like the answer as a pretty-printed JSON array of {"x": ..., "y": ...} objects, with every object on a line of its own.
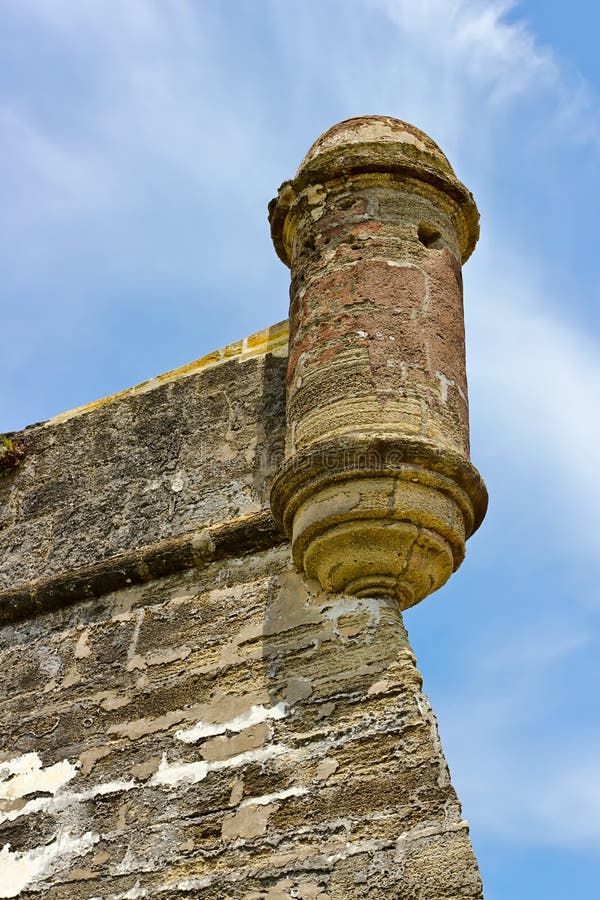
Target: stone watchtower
[
  {"x": 377, "y": 492},
  {"x": 209, "y": 690}
]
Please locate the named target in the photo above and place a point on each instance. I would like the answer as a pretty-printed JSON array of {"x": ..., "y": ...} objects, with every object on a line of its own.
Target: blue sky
[{"x": 141, "y": 142}]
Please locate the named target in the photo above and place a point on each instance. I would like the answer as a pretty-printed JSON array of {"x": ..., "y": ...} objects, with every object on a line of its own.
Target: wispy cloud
[
  {"x": 477, "y": 42},
  {"x": 175, "y": 144},
  {"x": 532, "y": 651},
  {"x": 520, "y": 780},
  {"x": 537, "y": 377}
]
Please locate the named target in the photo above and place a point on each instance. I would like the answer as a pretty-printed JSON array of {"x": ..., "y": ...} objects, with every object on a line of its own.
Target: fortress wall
[
  {"x": 192, "y": 448},
  {"x": 230, "y": 731}
]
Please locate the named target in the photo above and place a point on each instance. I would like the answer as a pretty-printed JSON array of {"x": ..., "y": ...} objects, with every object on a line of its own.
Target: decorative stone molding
[{"x": 377, "y": 492}]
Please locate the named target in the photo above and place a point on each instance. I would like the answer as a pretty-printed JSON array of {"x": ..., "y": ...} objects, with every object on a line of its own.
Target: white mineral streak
[
  {"x": 298, "y": 791},
  {"x": 254, "y": 716},
  {"x": 445, "y": 383},
  {"x": 177, "y": 482},
  {"x": 66, "y": 799},
  {"x": 193, "y": 884},
  {"x": 419, "y": 832},
  {"x": 26, "y": 774},
  {"x": 169, "y": 774},
  {"x": 335, "y": 610},
  {"x": 353, "y": 849},
  {"x": 19, "y": 870},
  {"x": 135, "y": 893}
]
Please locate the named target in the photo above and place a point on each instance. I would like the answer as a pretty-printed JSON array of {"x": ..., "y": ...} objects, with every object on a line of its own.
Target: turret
[{"x": 377, "y": 491}]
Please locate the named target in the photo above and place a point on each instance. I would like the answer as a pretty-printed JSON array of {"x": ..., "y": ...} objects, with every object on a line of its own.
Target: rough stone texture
[
  {"x": 374, "y": 227},
  {"x": 184, "y": 713},
  {"x": 195, "y": 450},
  {"x": 227, "y": 732},
  {"x": 192, "y": 549}
]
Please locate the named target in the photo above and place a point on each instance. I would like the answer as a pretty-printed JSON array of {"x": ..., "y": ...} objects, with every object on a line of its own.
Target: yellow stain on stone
[{"x": 273, "y": 339}]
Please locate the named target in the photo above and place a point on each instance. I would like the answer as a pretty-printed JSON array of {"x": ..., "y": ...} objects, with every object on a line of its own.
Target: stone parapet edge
[
  {"x": 269, "y": 340},
  {"x": 238, "y": 537}
]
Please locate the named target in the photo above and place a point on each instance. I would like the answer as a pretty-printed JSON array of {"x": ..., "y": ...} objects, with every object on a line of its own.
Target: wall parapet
[
  {"x": 268, "y": 340},
  {"x": 242, "y": 536},
  {"x": 197, "y": 450}
]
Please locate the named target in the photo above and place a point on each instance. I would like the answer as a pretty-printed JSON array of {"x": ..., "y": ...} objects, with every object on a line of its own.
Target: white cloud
[
  {"x": 58, "y": 180},
  {"x": 171, "y": 114},
  {"x": 476, "y": 42},
  {"x": 537, "y": 377},
  {"x": 531, "y": 651},
  {"x": 519, "y": 778}
]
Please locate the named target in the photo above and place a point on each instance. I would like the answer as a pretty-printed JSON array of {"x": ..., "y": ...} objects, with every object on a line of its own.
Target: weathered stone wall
[
  {"x": 226, "y": 732},
  {"x": 194, "y": 447}
]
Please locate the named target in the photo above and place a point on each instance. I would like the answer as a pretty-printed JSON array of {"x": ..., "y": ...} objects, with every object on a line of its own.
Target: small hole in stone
[{"x": 429, "y": 236}]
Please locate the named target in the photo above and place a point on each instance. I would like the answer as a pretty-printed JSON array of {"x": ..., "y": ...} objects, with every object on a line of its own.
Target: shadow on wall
[
  {"x": 270, "y": 425},
  {"x": 356, "y": 790}
]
